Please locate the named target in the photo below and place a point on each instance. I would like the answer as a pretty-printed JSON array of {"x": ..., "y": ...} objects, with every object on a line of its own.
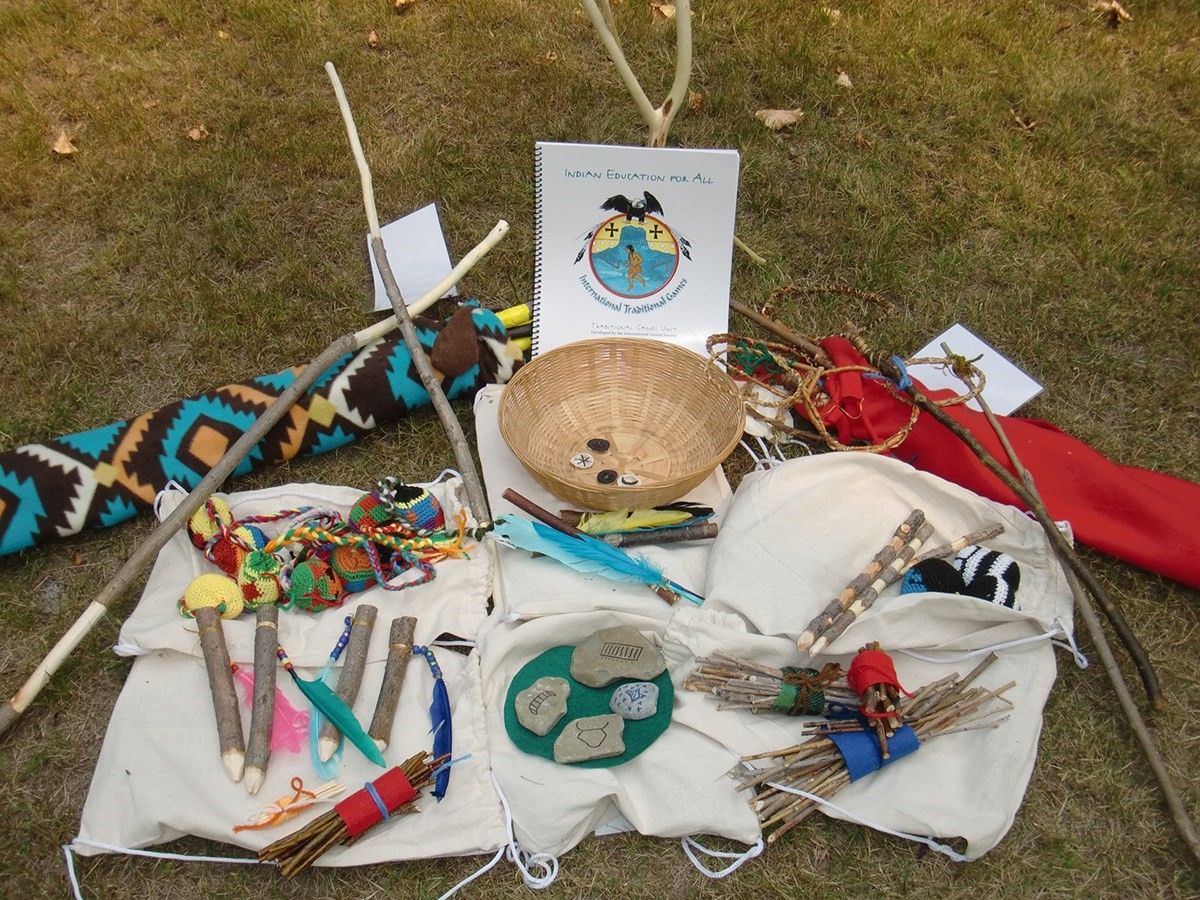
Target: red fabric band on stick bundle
[
  {"x": 873, "y": 667},
  {"x": 360, "y": 811}
]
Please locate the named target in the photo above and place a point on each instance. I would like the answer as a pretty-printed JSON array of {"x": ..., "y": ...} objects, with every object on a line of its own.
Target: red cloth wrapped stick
[{"x": 368, "y": 807}]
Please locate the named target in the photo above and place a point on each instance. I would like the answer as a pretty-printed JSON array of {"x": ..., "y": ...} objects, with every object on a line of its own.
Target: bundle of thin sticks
[
  {"x": 345, "y": 823},
  {"x": 740, "y": 684},
  {"x": 818, "y": 769}
]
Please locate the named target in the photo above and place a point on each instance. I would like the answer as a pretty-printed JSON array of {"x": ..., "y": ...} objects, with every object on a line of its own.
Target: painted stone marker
[
  {"x": 593, "y": 737},
  {"x": 615, "y": 653},
  {"x": 635, "y": 701},
  {"x": 542, "y": 704}
]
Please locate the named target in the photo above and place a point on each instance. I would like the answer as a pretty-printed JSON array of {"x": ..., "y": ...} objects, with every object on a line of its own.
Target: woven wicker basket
[{"x": 617, "y": 423}]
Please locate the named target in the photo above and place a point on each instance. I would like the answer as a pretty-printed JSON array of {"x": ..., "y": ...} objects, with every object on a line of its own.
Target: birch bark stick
[
  {"x": 862, "y": 581},
  {"x": 224, "y": 696},
  {"x": 262, "y": 713},
  {"x": 400, "y": 644},
  {"x": 943, "y": 550},
  {"x": 1062, "y": 546},
  {"x": 864, "y": 600},
  {"x": 354, "y": 660}
]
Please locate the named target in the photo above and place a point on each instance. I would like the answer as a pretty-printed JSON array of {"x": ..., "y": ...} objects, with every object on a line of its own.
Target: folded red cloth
[{"x": 1145, "y": 518}]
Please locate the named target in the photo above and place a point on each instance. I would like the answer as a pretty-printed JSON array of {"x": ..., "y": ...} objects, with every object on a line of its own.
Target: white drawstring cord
[
  {"x": 69, "y": 853},
  {"x": 513, "y": 852},
  {"x": 928, "y": 842},
  {"x": 688, "y": 842},
  {"x": 172, "y": 487},
  {"x": 1080, "y": 659}
]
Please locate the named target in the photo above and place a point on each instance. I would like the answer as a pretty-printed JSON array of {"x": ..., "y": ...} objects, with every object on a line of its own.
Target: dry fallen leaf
[
  {"x": 64, "y": 145},
  {"x": 833, "y": 14},
  {"x": 779, "y": 118},
  {"x": 1025, "y": 123},
  {"x": 149, "y": 104},
  {"x": 225, "y": 35},
  {"x": 843, "y": 79},
  {"x": 373, "y": 41},
  {"x": 696, "y": 100},
  {"x": 1111, "y": 10},
  {"x": 662, "y": 9},
  {"x": 550, "y": 57},
  {"x": 199, "y": 133},
  {"x": 399, "y": 7}
]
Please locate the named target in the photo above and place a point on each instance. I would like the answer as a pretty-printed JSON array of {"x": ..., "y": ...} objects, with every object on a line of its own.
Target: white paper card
[
  {"x": 416, "y": 251},
  {"x": 1006, "y": 387}
]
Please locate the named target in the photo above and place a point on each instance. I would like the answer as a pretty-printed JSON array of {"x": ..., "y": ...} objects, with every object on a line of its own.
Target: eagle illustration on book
[
  {"x": 633, "y": 209},
  {"x": 633, "y": 214}
]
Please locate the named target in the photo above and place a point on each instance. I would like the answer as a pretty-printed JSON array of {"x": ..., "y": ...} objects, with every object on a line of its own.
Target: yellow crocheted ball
[
  {"x": 202, "y": 527},
  {"x": 215, "y": 590}
]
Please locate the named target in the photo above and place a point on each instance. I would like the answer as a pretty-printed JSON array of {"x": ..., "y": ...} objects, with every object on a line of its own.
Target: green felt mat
[{"x": 584, "y": 701}]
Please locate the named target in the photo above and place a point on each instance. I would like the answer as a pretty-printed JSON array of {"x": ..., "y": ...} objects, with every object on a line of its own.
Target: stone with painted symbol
[
  {"x": 616, "y": 653},
  {"x": 541, "y": 705},
  {"x": 592, "y": 737},
  {"x": 634, "y": 701}
]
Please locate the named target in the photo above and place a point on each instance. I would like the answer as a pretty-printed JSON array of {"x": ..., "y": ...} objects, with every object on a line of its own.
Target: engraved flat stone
[
  {"x": 615, "y": 653},
  {"x": 593, "y": 737},
  {"x": 542, "y": 704},
  {"x": 634, "y": 701}
]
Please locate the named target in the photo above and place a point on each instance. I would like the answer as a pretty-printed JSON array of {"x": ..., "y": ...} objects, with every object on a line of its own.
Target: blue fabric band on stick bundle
[{"x": 861, "y": 750}]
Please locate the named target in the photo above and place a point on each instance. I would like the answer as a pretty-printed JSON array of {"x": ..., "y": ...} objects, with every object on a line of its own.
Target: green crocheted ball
[{"x": 314, "y": 586}]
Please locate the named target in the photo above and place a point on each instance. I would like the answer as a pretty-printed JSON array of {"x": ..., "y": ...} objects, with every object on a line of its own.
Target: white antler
[{"x": 658, "y": 121}]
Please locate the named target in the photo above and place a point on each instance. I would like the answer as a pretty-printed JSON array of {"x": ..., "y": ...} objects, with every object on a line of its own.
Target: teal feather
[
  {"x": 334, "y": 708},
  {"x": 585, "y": 554}
]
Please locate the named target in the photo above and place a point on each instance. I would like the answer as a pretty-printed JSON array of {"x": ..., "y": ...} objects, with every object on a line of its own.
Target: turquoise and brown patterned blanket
[{"x": 97, "y": 478}]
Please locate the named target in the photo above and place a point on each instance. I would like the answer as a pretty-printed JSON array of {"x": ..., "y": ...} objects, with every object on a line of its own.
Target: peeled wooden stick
[
  {"x": 884, "y": 557},
  {"x": 400, "y": 644},
  {"x": 262, "y": 713},
  {"x": 658, "y": 120},
  {"x": 476, "y": 498},
  {"x": 967, "y": 540},
  {"x": 224, "y": 696},
  {"x": 353, "y": 662},
  {"x": 148, "y": 549},
  {"x": 864, "y": 600}
]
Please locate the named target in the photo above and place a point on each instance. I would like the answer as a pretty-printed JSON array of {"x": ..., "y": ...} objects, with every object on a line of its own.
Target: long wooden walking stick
[
  {"x": 1066, "y": 552},
  {"x": 1179, "y": 814},
  {"x": 476, "y": 498},
  {"x": 149, "y": 548}
]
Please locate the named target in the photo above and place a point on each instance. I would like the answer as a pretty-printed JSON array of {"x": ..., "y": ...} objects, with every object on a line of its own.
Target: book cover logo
[{"x": 633, "y": 255}]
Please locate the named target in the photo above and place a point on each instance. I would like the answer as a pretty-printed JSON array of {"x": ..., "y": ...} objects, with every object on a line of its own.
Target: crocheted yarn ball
[
  {"x": 215, "y": 590},
  {"x": 258, "y": 578},
  {"x": 353, "y": 566},
  {"x": 417, "y": 508},
  {"x": 314, "y": 586},
  {"x": 204, "y": 525},
  {"x": 370, "y": 513}
]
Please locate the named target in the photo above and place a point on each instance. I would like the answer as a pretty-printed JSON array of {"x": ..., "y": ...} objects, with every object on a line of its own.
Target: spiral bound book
[{"x": 632, "y": 242}]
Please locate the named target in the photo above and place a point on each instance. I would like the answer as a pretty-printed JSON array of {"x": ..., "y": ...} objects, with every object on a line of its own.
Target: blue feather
[
  {"x": 441, "y": 726},
  {"x": 585, "y": 554},
  {"x": 443, "y": 733}
]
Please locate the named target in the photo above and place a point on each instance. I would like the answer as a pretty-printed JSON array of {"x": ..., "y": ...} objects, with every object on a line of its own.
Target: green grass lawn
[{"x": 1020, "y": 167}]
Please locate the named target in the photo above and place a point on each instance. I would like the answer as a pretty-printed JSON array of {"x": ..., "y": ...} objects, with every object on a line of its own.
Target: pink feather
[{"x": 289, "y": 727}]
